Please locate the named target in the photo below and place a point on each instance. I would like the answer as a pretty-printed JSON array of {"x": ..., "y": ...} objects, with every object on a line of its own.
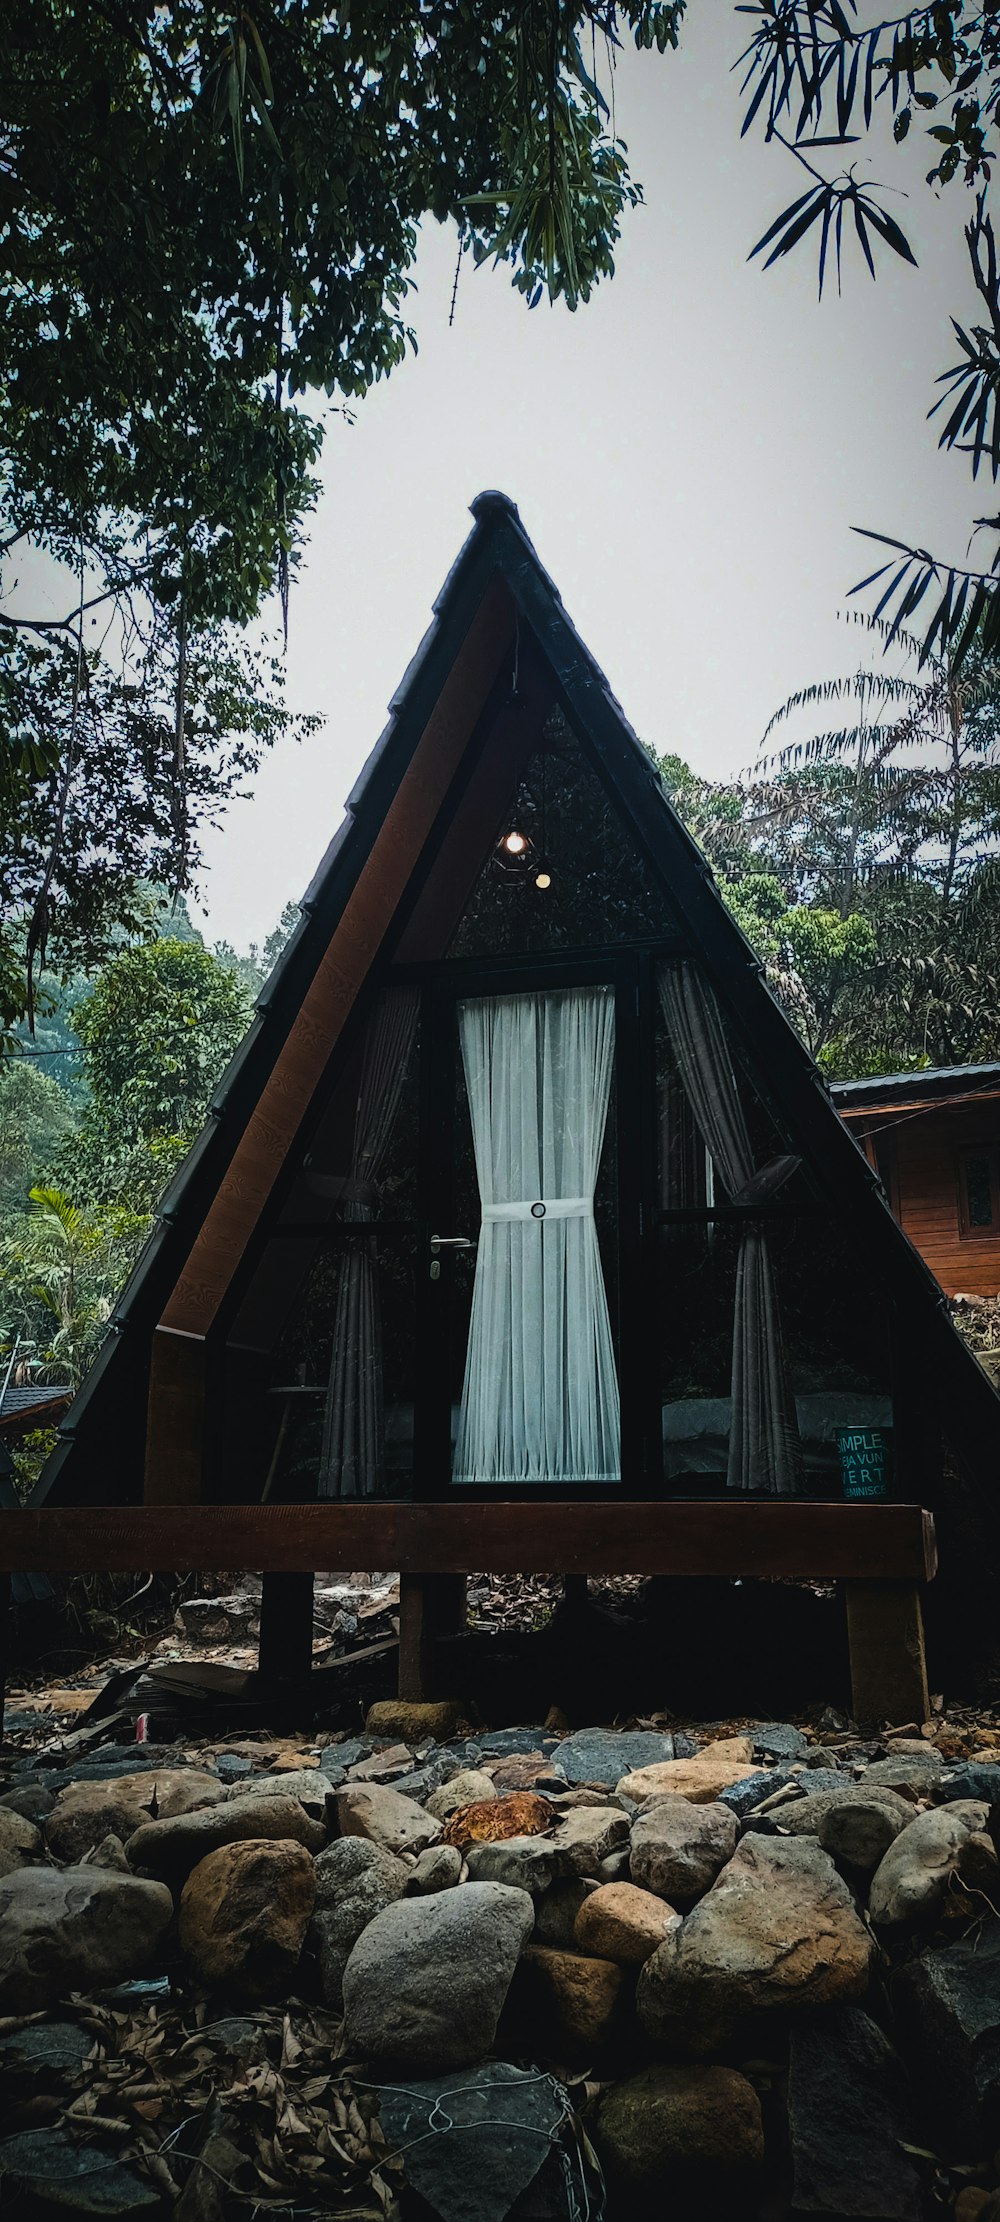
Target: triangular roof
[{"x": 497, "y": 601}]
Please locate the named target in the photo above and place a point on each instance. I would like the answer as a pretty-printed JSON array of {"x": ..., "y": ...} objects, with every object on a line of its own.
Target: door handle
[{"x": 450, "y": 1242}]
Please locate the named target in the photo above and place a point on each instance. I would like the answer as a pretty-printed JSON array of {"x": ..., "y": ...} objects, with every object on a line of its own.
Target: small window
[{"x": 979, "y": 1190}]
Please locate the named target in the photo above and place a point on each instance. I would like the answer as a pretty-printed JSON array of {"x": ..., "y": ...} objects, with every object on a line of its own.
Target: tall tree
[
  {"x": 894, "y": 815},
  {"x": 208, "y": 220},
  {"x": 159, "y": 1026},
  {"x": 820, "y": 76}
]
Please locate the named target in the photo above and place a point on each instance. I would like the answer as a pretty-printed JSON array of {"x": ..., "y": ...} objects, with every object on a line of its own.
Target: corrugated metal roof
[{"x": 929, "y": 1080}]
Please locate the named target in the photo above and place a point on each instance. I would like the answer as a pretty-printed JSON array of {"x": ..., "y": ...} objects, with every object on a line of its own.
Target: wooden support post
[
  {"x": 885, "y": 1635},
  {"x": 284, "y": 1657},
  {"x": 430, "y": 1605},
  {"x": 5, "y": 1635}
]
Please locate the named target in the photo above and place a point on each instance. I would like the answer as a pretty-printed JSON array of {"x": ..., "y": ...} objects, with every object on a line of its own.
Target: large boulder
[
  {"x": 676, "y": 2130},
  {"x": 355, "y": 1880},
  {"x": 778, "y": 1929},
  {"x": 72, "y": 1929},
  {"x": 426, "y": 1980},
  {"x": 912, "y": 1880},
  {"x": 85, "y": 1812},
  {"x": 947, "y": 2006},
  {"x": 678, "y": 1848},
  {"x": 169, "y": 1849},
  {"x": 385, "y": 1818},
  {"x": 619, "y": 1922},
  {"x": 244, "y": 1914},
  {"x": 850, "y": 2119}
]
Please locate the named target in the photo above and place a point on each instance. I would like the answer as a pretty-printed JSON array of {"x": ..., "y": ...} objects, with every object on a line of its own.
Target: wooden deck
[{"x": 850, "y": 1542}]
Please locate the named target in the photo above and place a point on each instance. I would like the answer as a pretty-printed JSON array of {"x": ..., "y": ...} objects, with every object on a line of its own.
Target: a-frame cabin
[{"x": 523, "y": 1231}]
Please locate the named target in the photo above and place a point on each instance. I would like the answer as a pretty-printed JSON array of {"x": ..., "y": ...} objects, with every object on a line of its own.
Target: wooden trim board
[{"x": 856, "y": 1542}]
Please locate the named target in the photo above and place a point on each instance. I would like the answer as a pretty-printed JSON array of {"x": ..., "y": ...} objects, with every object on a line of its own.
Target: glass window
[
  {"x": 978, "y": 1191},
  {"x": 598, "y": 887}
]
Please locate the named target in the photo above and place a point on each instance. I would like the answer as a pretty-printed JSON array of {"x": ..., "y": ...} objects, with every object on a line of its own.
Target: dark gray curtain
[
  {"x": 352, "y": 1454},
  {"x": 764, "y": 1449}
]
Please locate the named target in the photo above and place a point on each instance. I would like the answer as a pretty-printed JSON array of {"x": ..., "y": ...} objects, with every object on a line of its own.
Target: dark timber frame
[{"x": 500, "y": 653}]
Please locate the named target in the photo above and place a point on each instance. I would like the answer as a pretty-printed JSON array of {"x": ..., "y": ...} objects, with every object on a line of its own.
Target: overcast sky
[{"x": 688, "y": 453}]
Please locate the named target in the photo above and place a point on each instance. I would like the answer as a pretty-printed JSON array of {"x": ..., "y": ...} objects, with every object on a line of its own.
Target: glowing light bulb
[
  {"x": 543, "y": 879},
  {"x": 515, "y": 843}
]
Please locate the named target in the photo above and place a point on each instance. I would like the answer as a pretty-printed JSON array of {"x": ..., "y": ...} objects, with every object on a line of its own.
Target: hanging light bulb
[
  {"x": 515, "y": 843},
  {"x": 543, "y": 879}
]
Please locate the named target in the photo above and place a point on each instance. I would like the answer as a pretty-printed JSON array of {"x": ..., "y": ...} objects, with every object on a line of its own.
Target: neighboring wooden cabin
[
  {"x": 934, "y": 1139},
  {"x": 523, "y": 1234}
]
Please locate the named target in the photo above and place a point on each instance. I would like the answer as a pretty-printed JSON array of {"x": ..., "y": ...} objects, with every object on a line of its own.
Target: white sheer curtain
[
  {"x": 540, "y": 1399},
  {"x": 764, "y": 1450},
  {"x": 352, "y": 1453}
]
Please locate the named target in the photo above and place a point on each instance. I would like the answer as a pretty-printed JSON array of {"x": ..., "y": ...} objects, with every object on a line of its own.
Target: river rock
[
  {"x": 471, "y": 1787},
  {"x": 679, "y": 1848},
  {"x": 412, "y": 1721},
  {"x": 713, "y": 1769},
  {"x": 676, "y": 2130},
  {"x": 355, "y": 1880},
  {"x": 87, "y": 1811},
  {"x": 506, "y": 2120},
  {"x": 619, "y": 1922},
  {"x": 110, "y": 1852},
  {"x": 30, "y": 1799},
  {"x": 778, "y": 1929},
  {"x": 20, "y": 1840},
  {"x": 169, "y": 1849},
  {"x": 570, "y": 2004},
  {"x": 310, "y": 1785},
  {"x": 425, "y": 1982},
  {"x": 59, "y": 2175},
  {"x": 744, "y": 1796},
  {"x": 74, "y": 1928},
  {"x": 802, "y": 1816},
  {"x": 850, "y": 2117},
  {"x": 489, "y": 1820},
  {"x": 386, "y": 1765},
  {"x": 916, "y": 1773},
  {"x": 971, "y": 1781},
  {"x": 586, "y": 1836},
  {"x": 779, "y": 1740},
  {"x": 947, "y": 2007},
  {"x": 438, "y": 1868},
  {"x": 859, "y": 1831},
  {"x": 601, "y": 1755},
  {"x": 911, "y": 1881},
  {"x": 383, "y": 1817},
  {"x": 522, "y": 1862},
  {"x": 244, "y": 1914},
  {"x": 556, "y": 1912}
]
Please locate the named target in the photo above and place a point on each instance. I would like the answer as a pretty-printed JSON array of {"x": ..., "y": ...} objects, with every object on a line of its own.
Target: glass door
[{"x": 530, "y": 1206}]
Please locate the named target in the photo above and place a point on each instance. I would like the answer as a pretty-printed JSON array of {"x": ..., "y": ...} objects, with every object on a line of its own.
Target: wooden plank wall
[{"x": 927, "y": 1169}]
